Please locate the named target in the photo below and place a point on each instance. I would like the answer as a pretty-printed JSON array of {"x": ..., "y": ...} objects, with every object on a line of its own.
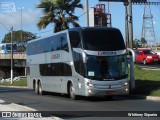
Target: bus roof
[{"x": 77, "y": 28}]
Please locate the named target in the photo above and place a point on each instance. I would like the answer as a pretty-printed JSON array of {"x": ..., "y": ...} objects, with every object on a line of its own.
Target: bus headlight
[
  {"x": 126, "y": 89},
  {"x": 90, "y": 84},
  {"x": 126, "y": 83}
]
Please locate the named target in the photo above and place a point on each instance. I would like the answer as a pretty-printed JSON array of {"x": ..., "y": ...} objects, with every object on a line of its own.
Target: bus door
[{"x": 78, "y": 58}]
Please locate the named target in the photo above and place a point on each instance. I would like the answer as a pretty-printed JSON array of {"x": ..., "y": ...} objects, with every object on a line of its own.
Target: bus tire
[
  {"x": 36, "y": 90},
  {"x": 40, "y": 90},
  {"x": 72, "y": 92}
]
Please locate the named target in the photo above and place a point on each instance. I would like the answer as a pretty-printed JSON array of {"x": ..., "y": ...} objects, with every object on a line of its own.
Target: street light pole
[
  {"x": 21, "y": 10},
  {"x": 126, "y": 24},
  {"x": 86, "y": 13},
  {"x": 11, "y": 30},
  {"x": 21, "y": 26},
  {"x": 130, "y": 25}
]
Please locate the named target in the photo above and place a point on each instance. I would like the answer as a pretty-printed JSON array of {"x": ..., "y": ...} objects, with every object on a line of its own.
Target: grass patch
[
  {"x": 147, "y": 82},
  {"x": 15, "y": 83}
]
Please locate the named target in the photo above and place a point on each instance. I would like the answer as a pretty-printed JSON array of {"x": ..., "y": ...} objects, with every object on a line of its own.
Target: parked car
[{"x": 146, "y": 56}]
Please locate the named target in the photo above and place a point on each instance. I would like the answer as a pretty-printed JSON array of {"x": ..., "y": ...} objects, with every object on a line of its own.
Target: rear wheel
[
  {"x": 40, "y": 90},
  {"x": 36, "y": 88},
  {"x": 72, "y": 92}
]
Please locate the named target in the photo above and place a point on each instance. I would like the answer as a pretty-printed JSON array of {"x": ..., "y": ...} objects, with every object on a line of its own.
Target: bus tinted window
[
  {"x": 53, "y": 43},
  {"x": 55, "y": 69},
  {"x": 74, "y": 39},
  {"x": 103, "y": 39}
]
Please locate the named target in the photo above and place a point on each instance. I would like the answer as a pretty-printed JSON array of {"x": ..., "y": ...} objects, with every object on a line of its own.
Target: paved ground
[{"x": 10, "y": 109}]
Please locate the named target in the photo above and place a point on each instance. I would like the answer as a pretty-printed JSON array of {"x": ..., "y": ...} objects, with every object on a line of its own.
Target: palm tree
[{"x": 58, "y": 12}]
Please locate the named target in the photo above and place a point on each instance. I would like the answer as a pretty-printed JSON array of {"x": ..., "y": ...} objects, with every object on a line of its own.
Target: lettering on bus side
[
  {"x": 55, "y": 56},
  {"x": 104, "y": 53}
]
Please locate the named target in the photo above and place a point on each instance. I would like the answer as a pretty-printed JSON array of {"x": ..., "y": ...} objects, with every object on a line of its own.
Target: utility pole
[
  {"x": 126, "y": 24},
  {"x": 11, "y": 30},
  {"x": 86, "y": 13},
  {"x": 130, "y": 25},
  {"x": 21, "y": 36}
]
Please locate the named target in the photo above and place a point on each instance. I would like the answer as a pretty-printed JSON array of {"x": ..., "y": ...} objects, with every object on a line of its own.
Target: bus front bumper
[{"x": 107, "y": 90}]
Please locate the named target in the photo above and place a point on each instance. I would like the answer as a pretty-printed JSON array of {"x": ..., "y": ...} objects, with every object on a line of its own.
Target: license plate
[{"x": 110, "y": 92}]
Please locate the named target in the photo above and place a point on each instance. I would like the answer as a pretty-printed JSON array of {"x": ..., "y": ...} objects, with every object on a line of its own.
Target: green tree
[
  {"x": 136, "y": 43},
  {"x": 58, "y": 12},
  {"x": 17, "y": 38},
  {"x": 143, "y": 41}
]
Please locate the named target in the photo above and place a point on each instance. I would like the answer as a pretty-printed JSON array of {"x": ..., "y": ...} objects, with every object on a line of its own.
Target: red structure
[{"x": 101, "y": 18}]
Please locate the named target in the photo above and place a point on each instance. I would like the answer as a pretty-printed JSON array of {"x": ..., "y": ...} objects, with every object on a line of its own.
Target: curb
[
  {"x": 23, "y": 107},
  {"x": 15, "y": 86},
  {"x": 153, "y": 98}
]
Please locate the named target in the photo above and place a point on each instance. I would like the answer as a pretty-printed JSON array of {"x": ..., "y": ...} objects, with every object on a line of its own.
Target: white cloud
[{"x": 29, "y": 17}]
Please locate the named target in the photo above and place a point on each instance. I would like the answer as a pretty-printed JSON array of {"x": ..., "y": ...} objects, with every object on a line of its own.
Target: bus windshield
[
  {"x": 102, "y": 40},
  {"x": 107, "y": 67}
]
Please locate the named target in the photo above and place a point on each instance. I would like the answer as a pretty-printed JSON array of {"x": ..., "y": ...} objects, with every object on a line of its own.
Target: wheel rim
[
  {"x": 36, "y": 89},
  {"x": 72, "y": 91},
  {"x": 144, "y": 61},
  {"x": 40, "y": 88}
]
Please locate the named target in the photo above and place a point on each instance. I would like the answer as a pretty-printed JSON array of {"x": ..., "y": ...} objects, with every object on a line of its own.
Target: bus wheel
[
  {"x": 36, "y": 88},
  {"x": 41, "y": 92},
  {"x": 72, "y": 92}
]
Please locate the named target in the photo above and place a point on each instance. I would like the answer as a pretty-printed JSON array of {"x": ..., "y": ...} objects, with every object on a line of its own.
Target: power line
[{"x": 44, "y": 32}]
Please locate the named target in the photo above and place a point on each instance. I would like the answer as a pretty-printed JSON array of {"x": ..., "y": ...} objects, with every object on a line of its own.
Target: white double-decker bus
[{"x": 89, "y": 61}]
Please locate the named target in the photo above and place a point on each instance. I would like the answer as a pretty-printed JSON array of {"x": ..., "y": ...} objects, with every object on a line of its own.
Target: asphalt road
[{"x": 93, "y": 108}]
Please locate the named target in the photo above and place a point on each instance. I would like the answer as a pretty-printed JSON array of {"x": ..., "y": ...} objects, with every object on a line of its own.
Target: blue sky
[{"x": 30, "y": 16}]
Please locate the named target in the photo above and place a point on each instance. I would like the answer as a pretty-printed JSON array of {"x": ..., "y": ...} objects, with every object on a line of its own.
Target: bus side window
[
  {"x": 64, "y": 43},
  {"x": 75, "y": 39}
]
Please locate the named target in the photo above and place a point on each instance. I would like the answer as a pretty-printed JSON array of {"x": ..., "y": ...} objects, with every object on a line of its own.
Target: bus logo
[
  {"x": 55, "y": 56},
  {"x": 104, "y": 53}
]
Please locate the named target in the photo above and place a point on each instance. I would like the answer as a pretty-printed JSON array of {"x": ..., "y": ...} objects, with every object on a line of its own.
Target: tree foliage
[
  {"x": 58, "y": 12},
  {"x": 143, "y": 41},
  {"x": 139, "y": 43},
  {"x": 16, "y": 36}
]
